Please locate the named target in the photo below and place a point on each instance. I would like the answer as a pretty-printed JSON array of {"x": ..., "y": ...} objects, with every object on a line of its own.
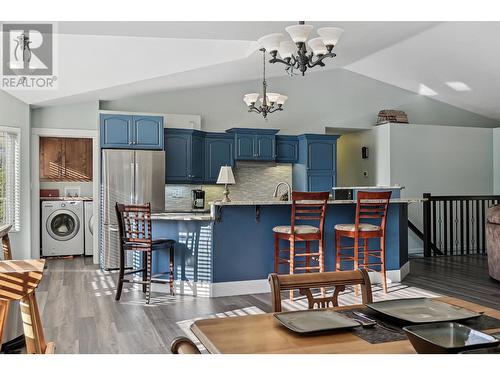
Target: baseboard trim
[{"x": 238, "y": 288}]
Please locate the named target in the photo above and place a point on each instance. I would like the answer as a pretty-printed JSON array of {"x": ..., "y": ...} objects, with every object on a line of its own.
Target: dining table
[{"x": 263, "y": 334}]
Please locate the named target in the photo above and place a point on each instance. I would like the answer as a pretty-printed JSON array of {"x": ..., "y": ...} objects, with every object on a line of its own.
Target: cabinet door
[
  {"x": 245, "y": 146},
  {"x": 218, "y": 152},
  {"x": 321, "y": 156},
  {"x": 51, "y": 159},
  {"x": 177, "y": 160},
  {"x": 196, "y": 159},
  {"x": 287, "y": 150},
  {"x": 321, "y": 181},
  {"x": 77, "y": 159},
  {"x": 148, "y": 132},
  {"x": 265, "y": 147},
  {"x": 116, "y": 131}
]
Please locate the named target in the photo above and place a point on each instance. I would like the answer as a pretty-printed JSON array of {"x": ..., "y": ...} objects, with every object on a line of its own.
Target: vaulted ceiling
[{"x": 111, "y": 60}]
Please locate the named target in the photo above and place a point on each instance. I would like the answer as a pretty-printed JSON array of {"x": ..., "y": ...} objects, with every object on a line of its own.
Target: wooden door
[
  {"x": 51, "y": 158},
  {"x": 77, "y": 159}
]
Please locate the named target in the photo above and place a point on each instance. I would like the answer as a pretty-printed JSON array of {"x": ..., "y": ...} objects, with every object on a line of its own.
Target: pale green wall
[
  {"x": 334, "y": 98},
  {"x": 15, "y": 113},
  {"x": 70, "y": 116}
]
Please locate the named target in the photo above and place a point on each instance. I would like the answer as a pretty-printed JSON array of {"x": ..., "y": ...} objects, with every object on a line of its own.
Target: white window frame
[{"x": 13, "y": 183}]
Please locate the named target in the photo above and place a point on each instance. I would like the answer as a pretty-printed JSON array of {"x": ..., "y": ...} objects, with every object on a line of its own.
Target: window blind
[{"x": 10, "y": 178}]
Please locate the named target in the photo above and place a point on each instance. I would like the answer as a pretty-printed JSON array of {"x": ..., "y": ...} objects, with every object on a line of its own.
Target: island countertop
[{"x": 330, "y": 201}]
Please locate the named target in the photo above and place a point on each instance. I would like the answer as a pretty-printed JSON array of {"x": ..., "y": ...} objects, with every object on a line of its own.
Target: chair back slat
[
  {"x": 372, "y": 205},
  {"x": 309, "y": 206},
  {"x": 134, "y": 222},
  {"x": 305, "y": 282}
]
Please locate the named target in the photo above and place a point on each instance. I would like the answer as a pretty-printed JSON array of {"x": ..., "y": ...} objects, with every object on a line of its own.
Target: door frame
[{"x": 36, "y": 133}]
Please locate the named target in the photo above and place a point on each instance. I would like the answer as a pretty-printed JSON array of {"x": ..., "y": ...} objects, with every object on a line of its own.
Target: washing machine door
[{"x": 63, "y": 225}]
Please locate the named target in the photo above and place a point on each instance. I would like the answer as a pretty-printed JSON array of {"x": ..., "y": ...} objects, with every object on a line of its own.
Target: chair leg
[
  {"x": 382, "y": 264},
  {"x": 148, "y": 278},
  {"x": 356, "y": 262},
  {"x": 337, "y": 251},
  {"x": 366, "y": 257},
  {"x": 171, "y": 271},
  {"x": 276, "y": 253},
  {"x": 292, "y": 263},
  {"x": 321, "y": 263},
  {"x": 144, "y": 272},
  {"x": 121, "y": 275}
]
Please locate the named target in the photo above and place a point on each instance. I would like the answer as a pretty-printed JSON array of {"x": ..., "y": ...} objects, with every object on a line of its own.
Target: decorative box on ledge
[{"x": 390, "y": 115}]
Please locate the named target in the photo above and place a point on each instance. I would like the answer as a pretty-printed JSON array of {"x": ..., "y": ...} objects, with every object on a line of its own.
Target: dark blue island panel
[
  {"x": 244, "y": 246},
  {"x": 233, "y": 253}
]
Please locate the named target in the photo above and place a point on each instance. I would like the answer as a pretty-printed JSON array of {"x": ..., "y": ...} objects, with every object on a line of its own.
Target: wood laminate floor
[{"x": 80, "y": 314}]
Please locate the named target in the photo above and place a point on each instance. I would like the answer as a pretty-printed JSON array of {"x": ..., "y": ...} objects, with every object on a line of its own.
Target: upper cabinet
[
  {"x": 218, "y": 152},
  {"x": 131, "y": 132},
  {"x": 184, "y": 151},
  {"x": 287, "y": 148},
  {"x": 254, "y": 144},
  {"x": 316, "y": 169},
  {"x": 65, "y": 159}
]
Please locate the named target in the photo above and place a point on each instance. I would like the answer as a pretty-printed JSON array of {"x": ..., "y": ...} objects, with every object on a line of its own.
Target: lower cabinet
[{"x": 218, "y": 152}]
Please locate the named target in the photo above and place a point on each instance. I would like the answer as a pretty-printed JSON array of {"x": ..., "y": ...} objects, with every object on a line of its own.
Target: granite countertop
[
  {"x": 330, "y": 201},
  {"x": 368, "y": 187},
  {"x": 66, "y": 198},
  {"x": 202, "y": 216}
]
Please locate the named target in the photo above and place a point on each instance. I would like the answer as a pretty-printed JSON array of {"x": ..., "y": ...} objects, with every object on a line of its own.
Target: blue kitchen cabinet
[
  {"x": 287, "y": 149},
  {"x": 148, "y": 132},
  {"x": 183, "y": 156},
  {"x": 219, "y": 151},
  {"x": 131, "y": 132},
  {"x": 316, "y": 168},
  {"x": 254, "y": 144}
]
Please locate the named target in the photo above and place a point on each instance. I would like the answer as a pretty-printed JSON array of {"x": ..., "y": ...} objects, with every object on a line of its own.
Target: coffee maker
[{"x": 198, "y": 199}]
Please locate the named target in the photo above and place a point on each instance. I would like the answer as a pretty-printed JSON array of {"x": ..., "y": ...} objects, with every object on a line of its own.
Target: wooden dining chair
[
  {"x": 183, "y": 345},
  {"x": 305, "y": 282},
  {"x": 371, "y": 205},
  {"x": 134, "y": 223},
  {"x": 18, "y": 281}
]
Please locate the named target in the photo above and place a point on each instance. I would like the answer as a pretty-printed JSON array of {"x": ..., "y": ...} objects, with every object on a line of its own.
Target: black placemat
[{"x": 377, "y": 334}]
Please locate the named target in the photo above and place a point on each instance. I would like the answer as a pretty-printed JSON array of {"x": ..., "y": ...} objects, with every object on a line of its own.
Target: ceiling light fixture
[
  {"x": 270, "y": 101},
  {"x": 295, "y": 54}
]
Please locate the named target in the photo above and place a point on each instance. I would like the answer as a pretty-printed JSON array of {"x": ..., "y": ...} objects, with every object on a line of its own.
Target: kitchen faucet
[{"x": 286, "y": 196}]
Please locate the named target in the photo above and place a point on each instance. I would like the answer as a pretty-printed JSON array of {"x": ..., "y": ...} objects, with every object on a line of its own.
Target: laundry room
[{"x": 66, "y": 183}]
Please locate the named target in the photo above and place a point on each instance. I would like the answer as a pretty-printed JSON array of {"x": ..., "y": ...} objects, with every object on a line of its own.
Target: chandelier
[
  {"x": 269, "y": 101},
  {"x": 294, "y": 54}
]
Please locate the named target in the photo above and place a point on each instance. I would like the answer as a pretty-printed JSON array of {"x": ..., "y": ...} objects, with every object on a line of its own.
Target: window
[{"x": 9, "y": 177}]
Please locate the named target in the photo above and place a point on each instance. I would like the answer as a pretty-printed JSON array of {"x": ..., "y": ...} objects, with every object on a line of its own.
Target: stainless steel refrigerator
[{"x": 128, "y": 176}]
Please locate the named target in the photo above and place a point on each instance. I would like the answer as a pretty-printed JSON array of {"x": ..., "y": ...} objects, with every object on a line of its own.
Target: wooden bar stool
[
  {"x": 134, "y": 222},
  {"x": 18, "y": 281},
  {"x": 370, "y": 205},
  {"x": 305, "y": 207}
]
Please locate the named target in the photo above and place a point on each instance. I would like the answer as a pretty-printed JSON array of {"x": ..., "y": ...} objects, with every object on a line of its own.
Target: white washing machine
[
  {"x": 62, "y": 228},
  {"x": 89, "y": 227}
]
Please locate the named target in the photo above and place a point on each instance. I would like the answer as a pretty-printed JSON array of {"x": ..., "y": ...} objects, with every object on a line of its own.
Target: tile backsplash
[{"x": 253, "y": 181}]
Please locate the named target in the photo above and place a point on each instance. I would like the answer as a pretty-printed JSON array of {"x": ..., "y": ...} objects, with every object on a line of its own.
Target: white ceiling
[
  {"x": 111, "y": 60},
  {"x": 451, "y": 52}
]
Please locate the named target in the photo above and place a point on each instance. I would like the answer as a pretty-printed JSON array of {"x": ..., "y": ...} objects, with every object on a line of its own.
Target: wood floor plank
[{"x": 80, "y": 314}]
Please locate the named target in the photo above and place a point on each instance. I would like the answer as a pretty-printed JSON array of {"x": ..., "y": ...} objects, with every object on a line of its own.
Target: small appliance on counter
[
  {"x": 343, "y": 194},
  {"x": 198, "y": 199}
]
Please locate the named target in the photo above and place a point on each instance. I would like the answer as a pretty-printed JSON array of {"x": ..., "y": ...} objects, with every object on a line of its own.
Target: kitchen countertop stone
[
  {"x": 367, "y": 187},
  {"x": 330, "y": 201},
  {"x": 180, "y": 216}
]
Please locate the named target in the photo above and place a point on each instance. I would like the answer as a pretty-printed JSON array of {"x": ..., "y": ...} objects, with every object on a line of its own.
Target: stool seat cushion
[
  {"x": 363, "y": 227},
  {"x": 299, "y": 229}
]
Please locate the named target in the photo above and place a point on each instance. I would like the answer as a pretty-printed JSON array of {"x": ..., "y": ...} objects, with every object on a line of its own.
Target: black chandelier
[
  {"x": 295, "y": 54},
  {"x": 270, "y": 101}
]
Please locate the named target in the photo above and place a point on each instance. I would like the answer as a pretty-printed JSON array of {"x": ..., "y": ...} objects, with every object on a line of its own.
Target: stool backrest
[
  {"x": 372, "y": 205},
  {"x": 304, "y": 282},
  {"x": 309, "y": 206},
  {"x": 134, "y": 223}
]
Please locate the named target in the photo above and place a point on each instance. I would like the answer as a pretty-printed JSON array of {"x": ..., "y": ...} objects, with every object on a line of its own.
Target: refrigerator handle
[{"x": 132, "y": 183}]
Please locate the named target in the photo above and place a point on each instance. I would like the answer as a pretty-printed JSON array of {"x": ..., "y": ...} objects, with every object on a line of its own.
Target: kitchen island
[{"x": 230, "y": 251}]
